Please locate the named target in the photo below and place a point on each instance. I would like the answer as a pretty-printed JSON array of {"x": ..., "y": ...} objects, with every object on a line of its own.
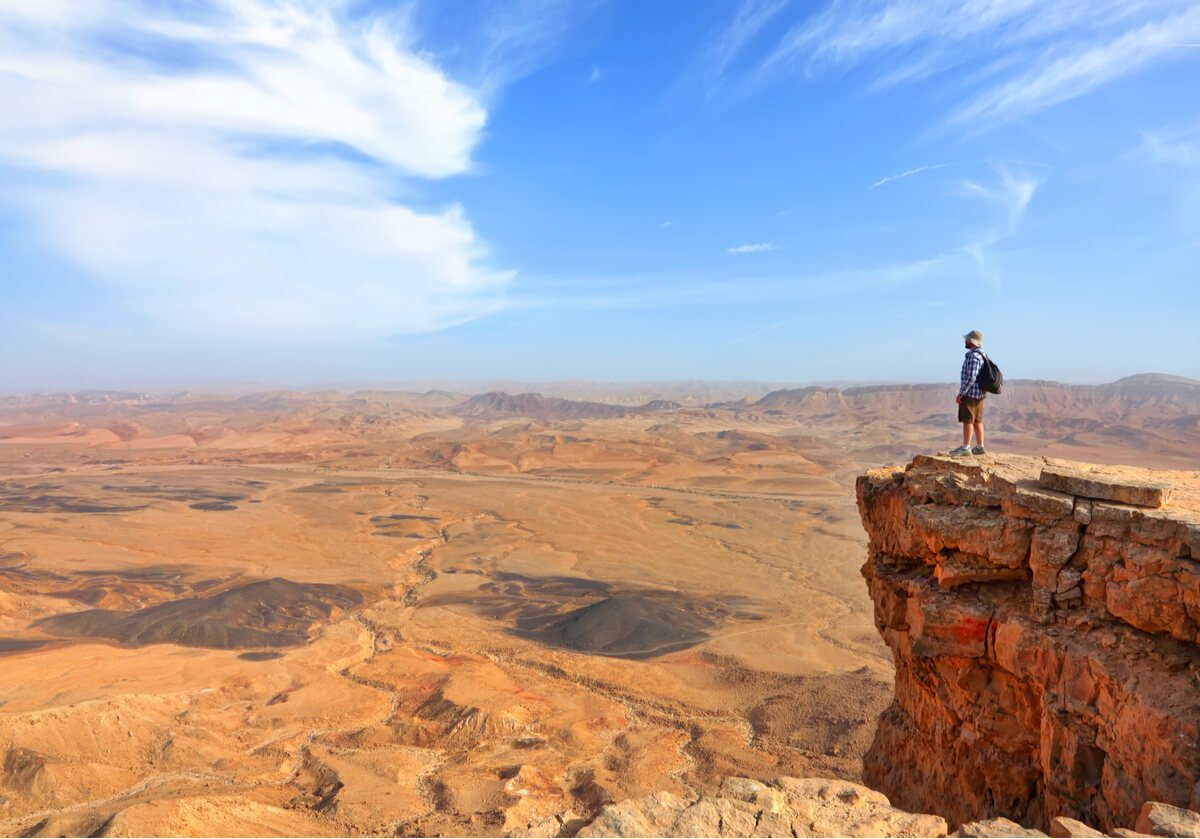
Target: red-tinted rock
[{"x": 1045, "y": 645}]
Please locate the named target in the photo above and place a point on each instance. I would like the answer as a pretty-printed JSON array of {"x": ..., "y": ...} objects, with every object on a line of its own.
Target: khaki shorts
[{"x": 970, "y": 410}]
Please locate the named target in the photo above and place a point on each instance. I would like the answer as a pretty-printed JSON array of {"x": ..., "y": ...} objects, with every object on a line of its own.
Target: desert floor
[{"x": 415, "y": 624}]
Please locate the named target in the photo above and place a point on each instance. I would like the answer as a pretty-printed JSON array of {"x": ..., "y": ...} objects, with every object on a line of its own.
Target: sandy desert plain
[{"x": 438, "y": 613}]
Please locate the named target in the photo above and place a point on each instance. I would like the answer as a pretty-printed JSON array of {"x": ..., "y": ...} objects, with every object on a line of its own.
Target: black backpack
[{"x": 990, "y": 379}]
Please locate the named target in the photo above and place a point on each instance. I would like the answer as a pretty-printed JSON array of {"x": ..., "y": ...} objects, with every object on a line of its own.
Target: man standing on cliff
[{"x": 970, "y": 396}]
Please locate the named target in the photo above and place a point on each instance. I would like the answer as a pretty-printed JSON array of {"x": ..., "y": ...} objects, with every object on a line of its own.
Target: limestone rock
[
  {"x": 1105, "y": 485},
  {"x": 995, "y": 827},
  {"x": 653, "y": 815},
  {"x": 1071, "y": 828},
  {"x": 1158, "y": 819},
  {"x": 1046, "y": 644},
  {"x": 785, "y": 807}
]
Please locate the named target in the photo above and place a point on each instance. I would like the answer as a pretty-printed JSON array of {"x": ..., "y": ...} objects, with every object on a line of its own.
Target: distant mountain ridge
[
  {"x": 1149, "y": 396},
  {"x": 536, "y": 406},
  {"x": 1139, "y": 400}
]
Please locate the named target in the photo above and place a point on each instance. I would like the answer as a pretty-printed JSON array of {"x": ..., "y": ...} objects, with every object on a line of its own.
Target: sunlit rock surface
[{"x": 1045, "y": 640}]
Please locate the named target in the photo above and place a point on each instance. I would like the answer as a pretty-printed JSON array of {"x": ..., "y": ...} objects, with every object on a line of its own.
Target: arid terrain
[{"x": 412, "y": 613}]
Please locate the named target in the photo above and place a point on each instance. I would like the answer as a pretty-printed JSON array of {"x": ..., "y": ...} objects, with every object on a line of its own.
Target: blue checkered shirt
[{"x": 970, "y": 372}]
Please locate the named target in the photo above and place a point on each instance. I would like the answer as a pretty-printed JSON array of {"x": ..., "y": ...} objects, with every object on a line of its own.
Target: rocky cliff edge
[{"x": 1045, "y": 619}]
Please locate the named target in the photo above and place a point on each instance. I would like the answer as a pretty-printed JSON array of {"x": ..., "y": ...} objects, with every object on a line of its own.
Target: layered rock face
[{"x": 1044, "y": 619}]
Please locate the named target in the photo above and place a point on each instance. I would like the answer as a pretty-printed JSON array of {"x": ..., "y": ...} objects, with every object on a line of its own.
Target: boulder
[
  {"x": 1071, "y": 828},
  {"x": 1158, "y": 819},
  {"x": 995, "y": 827}
]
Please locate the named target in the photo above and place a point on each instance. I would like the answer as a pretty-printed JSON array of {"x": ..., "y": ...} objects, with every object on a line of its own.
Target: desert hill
[
  {"x": 494, "y": 405},
  {"x": 268, "y": 613}
]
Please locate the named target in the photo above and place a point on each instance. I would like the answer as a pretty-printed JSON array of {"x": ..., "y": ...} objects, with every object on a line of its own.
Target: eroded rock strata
[{"x": 1044, "y": 619}]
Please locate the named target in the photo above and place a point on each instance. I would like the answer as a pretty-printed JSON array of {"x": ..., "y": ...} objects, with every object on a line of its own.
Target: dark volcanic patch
[
  {"x": 40, "y": 498},
  {"x": 203, "y": 499},
  {"x": 107, "y": 498},
  {"x": 268, "y": 613},
  {"x": 260, "y": 655},
  {"x": 406, "y": 526},
  {"x": 591, "y": 616},
  {"x": 213, "y": 506},
  {"x": 334, "y": 486},
  {"x": 624, "y": 625},
  {"x": 319, "y": 488},
  {"x": 19, "y": 645}
]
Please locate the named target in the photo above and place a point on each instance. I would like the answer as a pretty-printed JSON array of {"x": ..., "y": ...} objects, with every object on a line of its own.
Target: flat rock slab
[{"x": 1104, "y": 485}]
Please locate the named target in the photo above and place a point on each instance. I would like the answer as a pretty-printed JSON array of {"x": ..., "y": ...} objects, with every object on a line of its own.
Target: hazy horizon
[
  {"x": 537, "y": 190},
  {"x": 597, "y": 387}
]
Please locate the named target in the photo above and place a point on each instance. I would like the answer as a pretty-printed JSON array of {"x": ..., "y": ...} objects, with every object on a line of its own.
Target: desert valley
[{"x": 445, "y": 613}]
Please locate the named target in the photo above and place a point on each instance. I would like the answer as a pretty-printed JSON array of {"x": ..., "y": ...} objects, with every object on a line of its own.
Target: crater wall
[{"x": 1044, "y": 619}]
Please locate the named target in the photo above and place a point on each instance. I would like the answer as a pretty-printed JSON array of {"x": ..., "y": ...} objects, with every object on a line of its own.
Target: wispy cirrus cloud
[
  {"x": 1177, "y": 148},
  {"x": 248, "y": 168},
  {"x": 757, "y": 247},
  {"x": 490, "y": 44},
  {"x": 908, "y": 174},
  {"x": 751, "y": 17},
  {"x": 1011, "y": 57},
  {"x": 758, "y": 333},
  {"x": 1010, "y": 193},
  {"x": 1064, "y": 74},
  {"x": 1173, "y": 145}
]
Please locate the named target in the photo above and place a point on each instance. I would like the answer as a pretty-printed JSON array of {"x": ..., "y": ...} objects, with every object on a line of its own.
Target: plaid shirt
[{"x": 970, "y": 372}]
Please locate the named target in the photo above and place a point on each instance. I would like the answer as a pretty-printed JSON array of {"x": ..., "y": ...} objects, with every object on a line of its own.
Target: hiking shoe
[
  {"x": 979, "y": 450},
  {"x": 960, "y": 451}
]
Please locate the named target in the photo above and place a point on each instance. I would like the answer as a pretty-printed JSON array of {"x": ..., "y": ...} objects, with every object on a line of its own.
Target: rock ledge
[{"x": 1044, "y": 619}]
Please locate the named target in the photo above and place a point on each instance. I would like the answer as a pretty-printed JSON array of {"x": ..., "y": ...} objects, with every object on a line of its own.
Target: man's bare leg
[
  {"x": 966, "y": 433},
  {"x": 978, "y": 434}
]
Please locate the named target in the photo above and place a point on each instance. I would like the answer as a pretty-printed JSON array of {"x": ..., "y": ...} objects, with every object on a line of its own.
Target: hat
[{"x": 974, "y": 337}]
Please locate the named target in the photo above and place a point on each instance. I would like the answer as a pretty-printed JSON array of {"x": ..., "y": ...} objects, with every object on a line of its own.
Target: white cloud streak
[
  {"x": 1067, "y": 74},
  {"x": 244, "y": 171},
  {"x": 1011, "y": 57},
  {"x": 1011, "y": 195},
  {"x": 751, "y": 17},
  {"x": 516, "y": 38},
  {"x": 908, "y": 174},
  {"x": 757, "y": 247},
  {"x": 1173, "y": 146},
  {"x": 758, "y": 333}
]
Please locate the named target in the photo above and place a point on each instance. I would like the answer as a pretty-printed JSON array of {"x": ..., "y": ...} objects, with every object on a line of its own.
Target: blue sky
[{"x": 295, "y": 192}]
